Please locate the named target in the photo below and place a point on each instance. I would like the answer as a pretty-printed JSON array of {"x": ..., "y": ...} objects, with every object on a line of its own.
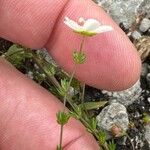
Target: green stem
[
  {"x": 82, "y": 42},
  {"x": 51, "y": 78},
  {"x": 66, "y": 94},
  {"x": 73, "y": 73},
  {"x": 71, "y": 78},
  {"x": 83, "y": 93},
  {"x": 61, "y": 136},
  {"x": 65, "y": 100},
  {"x": 83, "y": 89}
]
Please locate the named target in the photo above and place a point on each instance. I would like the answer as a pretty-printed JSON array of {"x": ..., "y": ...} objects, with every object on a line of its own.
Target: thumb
[{"x": 112, "y": 61}]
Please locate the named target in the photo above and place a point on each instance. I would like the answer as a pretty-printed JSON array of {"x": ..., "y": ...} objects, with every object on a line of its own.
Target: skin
[{"x": 27, "y": 111}]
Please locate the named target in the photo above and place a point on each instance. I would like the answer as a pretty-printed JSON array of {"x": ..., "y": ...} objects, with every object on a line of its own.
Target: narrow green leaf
[{"x": 94, "y": 105}]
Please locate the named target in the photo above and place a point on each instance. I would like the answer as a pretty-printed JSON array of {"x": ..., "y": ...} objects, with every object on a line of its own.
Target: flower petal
[
  {"x": 102, "y": 29},
  {"x": 91, "y": 24},
  {"x": 72, "y": 24}
]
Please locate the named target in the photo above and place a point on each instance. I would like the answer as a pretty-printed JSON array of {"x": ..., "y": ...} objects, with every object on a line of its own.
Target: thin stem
[
  {"x": 73, "y": 73},
  {"x": 83, "y": 90},
  {"x": 71, "y": 78},
  {"x": 61, "y": 136},
  {"x": 66, "y": 94},
  {"x": 105, "y": 146},
  {"x": 82, "y": 42},
  {"x": 65, "y": 100},
  {"x": 51, "y": 78},
  {"x": 83, "y": 93}
]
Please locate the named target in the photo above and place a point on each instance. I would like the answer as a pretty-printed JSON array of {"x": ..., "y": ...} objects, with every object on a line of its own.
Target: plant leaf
[{"x": 94, "y": 105}]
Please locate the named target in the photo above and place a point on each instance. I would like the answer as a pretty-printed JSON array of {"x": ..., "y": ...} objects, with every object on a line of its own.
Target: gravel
[
  {"x": 126, "y": 11},
  {"x": 122, "y": 11}
]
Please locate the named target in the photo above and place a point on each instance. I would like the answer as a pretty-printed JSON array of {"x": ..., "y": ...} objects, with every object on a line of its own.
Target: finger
[
  {"x": 28, "y": 116},
  {"x": 29, "y": 22},
  {"x": 112, "y": 62}
]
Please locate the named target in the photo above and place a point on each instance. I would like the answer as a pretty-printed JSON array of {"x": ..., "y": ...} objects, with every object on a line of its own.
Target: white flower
[{"x": 87, "y": 27}]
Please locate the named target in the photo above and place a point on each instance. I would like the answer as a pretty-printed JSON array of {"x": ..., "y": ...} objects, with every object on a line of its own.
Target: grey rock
[
  {"x": 144, "y": 69},
  {"x": 148, "y": 99},
  {"x": 136, "y": 35},
  {"x": 30, "y": 74},
  {"x": 45, "y": 54},
  {"x": 114, "y": 114},
  {"x": 147, "y": 133},
  {"x": 122, "y": 11},
  {"x": 125, "y": 97},
  {"x": 145, "y": 25},
  {"x": 148, "y": 79}
]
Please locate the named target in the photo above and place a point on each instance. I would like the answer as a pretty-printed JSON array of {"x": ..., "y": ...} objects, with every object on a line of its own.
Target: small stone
[
  {"x": 145, "y": 25},
  {"x": 148, "y": 32},
  {"x": 114, "y": 114},
  {"x": 72, "y": 92},
  {"x": 46, "y": 55},
  {"x": 137, "y": 115},
  {"x": 148, "y": 79},
  {"x": 148, "y": 99},
  {"x": 147, "y": 133},
  {"x": 144, "y": 69},
  {"x": 30, "y": 74},
  {"x": 136, "y": 35}
]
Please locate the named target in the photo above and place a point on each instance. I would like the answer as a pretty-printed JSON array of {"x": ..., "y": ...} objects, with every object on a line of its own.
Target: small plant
[
  {"x": 146, "y": 119},
  {"x": 111, "y": 145},
  {"x": 62, "y": 119},
  {"x": 17, "y": 54},
  {"x": 102, "y": 138},
  {"x": 86, "y": 28}
]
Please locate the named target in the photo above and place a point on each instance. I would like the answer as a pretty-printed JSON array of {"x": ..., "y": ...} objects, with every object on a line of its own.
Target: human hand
[{"x": 27, "y": 111}]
